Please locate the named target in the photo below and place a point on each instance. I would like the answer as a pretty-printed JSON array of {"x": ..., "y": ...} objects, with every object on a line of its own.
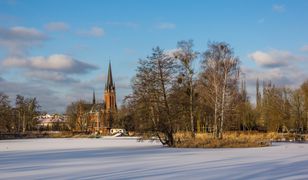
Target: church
[{"x": 98, "y": 117}]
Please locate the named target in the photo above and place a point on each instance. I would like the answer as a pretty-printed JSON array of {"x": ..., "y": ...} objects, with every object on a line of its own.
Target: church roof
[
  {"x": 109, "y": 84},
  {"x": 97, "y": 107}
]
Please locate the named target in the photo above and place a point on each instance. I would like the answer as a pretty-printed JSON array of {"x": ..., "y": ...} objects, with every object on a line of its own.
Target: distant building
[
  {"x": 51, "y": 122},
  {"x": 101, "y": 115}
]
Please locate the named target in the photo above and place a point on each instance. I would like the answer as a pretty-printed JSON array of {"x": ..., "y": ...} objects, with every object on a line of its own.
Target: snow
[{"x": 126, "y": 158}]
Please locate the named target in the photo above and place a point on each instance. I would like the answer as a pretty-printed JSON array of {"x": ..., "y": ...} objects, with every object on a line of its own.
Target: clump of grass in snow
[{"x": 60, "y": 135}]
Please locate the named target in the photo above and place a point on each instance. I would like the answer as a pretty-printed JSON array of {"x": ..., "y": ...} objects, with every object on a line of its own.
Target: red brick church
[{"x": 101, "y": 115}]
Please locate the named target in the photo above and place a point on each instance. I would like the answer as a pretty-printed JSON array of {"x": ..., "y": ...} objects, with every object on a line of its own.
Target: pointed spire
[
  {"x": 258, "y": 95},
  {"x": 93, "y": 100},
  {"x": 109, "y": 84}
]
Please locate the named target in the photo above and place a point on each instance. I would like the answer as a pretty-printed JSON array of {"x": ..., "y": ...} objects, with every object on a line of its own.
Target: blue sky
[{"x": 59, "y": 50}]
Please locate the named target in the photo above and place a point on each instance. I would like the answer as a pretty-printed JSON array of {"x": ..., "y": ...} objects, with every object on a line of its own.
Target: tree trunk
[
  {"x": 24, "y": 123},
  {"x": 215, "y": 128},
  {"x": 170, "y": 129},
  {"x": 191, "y": 108},
  {"x": 222, "y": 118}
]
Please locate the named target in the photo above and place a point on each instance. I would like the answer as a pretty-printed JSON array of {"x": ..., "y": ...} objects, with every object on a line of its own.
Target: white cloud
[
  {"x": 273, "y": 58},
  {"x": 278, "y": 8},
  {"x": 92, "y": 32},
  {"x": 53, "y": 62},
  {"x": 50, "y": 76},
  {"x": 57, "y": 62},
  {"x": 20, "y": 31},
  {"x": 57, "y": 26},
  {"x": 165, "y": 25},
  {"x": 14, "y": 62},
  {"x": 17, "y": 40}
]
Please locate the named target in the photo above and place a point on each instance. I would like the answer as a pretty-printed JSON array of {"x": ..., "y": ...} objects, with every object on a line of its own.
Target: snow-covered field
[{"x": 125, "y": 158}]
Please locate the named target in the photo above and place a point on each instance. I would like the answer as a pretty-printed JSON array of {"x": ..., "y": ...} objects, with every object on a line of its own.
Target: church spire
[
  {"x": 109, "y": 84},
  {"x": 109, "y": 94},
  {"x": 93, "y": 100}
]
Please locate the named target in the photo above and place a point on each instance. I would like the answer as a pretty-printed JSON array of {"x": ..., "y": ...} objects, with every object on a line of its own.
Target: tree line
[{"x": 169, "y": 96}]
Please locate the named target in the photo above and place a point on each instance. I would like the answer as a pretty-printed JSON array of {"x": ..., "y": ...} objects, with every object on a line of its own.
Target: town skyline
[{"x": 61, "y": 56}]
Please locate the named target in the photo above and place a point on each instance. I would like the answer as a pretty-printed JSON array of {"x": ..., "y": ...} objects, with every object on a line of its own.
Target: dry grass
[
  {"x": 230, "y": 140},
  {"x": 235, "y": 139},
  {"x": 60, "y": 135},
  {"x": 72, "y": 135}
]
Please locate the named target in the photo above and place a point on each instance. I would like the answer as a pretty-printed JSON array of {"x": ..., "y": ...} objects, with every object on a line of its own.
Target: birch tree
[{"x": 220, "y": 74}]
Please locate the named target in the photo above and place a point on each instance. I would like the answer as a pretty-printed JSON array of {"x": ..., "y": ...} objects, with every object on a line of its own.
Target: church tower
[{"x": 109, "y": 93}]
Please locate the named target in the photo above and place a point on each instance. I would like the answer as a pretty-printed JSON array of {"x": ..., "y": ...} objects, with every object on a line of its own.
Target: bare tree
[
  {"x": 273, "y": 107},
  {"x": 221, "y": 74},
  {"x": 298, "y": 110},
  {"x": 5, "y": 108},
  {"x": 187, "y": 55},
  {"x": 151, "y": 90},
  {"x": 27, "y": 109},
  {"x": 304, "y": 88}
]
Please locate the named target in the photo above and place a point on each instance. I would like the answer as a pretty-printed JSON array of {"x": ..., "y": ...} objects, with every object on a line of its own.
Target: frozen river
[{"x": 125, "y": 158}]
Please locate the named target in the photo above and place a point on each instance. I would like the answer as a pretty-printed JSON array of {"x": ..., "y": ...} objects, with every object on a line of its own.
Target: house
[{"x": 51, "y": 122}]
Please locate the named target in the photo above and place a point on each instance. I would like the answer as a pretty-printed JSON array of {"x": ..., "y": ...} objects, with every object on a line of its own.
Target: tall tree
[
  {"x": 304, "y": 89},
  {"x": 5, "y": 115},
  {"x": 21, "y": 109},
  {"x": 298, "y": 110},
  {"x": 221, "y": 74},
  {"x": 245, "y": 115},
  {"x": 151, "y": 91},
  {"x": 187, "y": 55},
  {"x": 258, "y": 110},
  {"x": 27, "y": 109},
  {"x": 71, "y": 113},
  {"x": 258, "y": 94},
  {"x": 272, "y": 107}
]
